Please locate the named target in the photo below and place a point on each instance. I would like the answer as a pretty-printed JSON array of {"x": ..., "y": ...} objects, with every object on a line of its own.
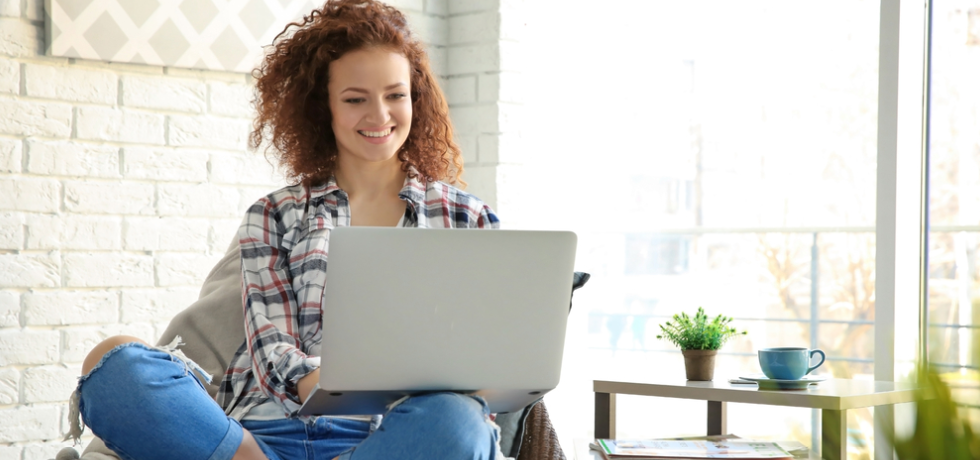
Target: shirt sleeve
[
  {"x": 271, "y": 309},
  {"x": 487, "y": 218}
]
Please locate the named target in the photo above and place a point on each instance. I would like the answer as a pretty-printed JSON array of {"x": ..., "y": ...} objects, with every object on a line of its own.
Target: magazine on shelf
[{"x": 731, "y": 448}]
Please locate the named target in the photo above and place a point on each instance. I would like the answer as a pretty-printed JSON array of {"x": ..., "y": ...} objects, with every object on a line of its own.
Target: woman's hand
[{"x": 306, "y": 384}]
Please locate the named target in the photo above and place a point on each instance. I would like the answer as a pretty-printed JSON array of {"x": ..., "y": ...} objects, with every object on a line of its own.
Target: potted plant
[{"x": 699, "y": 339}]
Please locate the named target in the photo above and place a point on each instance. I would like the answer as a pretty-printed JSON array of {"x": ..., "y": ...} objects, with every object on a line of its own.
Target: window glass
[
  {"x": 954, "y": 240},
  {"x": 707, "y": 153}
]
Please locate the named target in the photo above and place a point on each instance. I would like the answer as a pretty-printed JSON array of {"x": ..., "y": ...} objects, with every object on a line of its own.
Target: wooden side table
[{"x": 833, "y": 397}]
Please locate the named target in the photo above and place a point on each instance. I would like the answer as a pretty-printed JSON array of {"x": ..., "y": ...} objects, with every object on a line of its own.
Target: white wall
[
  {"x": 484, "y": 91},
  {"x": 121, "y": 185}
]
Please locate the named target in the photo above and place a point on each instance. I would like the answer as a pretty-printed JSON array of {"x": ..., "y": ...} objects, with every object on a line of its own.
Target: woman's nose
[{"x": 377, "y": 112}]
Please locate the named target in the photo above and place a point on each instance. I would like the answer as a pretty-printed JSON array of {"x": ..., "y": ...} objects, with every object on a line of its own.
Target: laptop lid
[{"x": 409, "y": 311}]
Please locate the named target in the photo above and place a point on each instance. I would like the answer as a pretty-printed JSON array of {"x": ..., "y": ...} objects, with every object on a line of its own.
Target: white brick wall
[
  {"x": 26, "y": 270},
  {"x": 70, "y": 84},
  {"x": 28, "y": 347},
  {"x": 60, "y": 308},
  {"x": 9, "y": 388},
  {"x": 166, "y": 164},
  {"x": 9, "y": 76},
  {"x": 49, "y": 231},
  {"x": 9, "y": 312},
  {"x": 122, "y": 184},
  {"x": 11, "y": 155},
  {"x": 119, "y": 125},
  {"x": 49, "y": 383},
  {"x": 164, "y": 93},
  {"x": 35, "y": 118},
  {"x": 26, "y": 423},
  {"x": 47, "y": 158},
  {"x": 483, "y": 86}
]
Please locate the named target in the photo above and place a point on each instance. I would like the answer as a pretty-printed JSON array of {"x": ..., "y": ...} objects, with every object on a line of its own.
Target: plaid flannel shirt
[{"x": 284, "y": 239}]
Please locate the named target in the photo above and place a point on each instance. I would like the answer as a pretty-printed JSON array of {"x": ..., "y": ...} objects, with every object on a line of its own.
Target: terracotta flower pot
[{"x": 700, "y": 364}]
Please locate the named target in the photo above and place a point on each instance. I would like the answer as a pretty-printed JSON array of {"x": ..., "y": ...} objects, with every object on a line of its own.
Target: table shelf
[{"x": 834, "y": 397}]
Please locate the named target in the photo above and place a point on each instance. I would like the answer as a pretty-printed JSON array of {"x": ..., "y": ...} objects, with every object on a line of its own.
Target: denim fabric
[
  {"x": 318, "y": 438},
  {"x": 433, "y": 426},
  {"x": 146, "y": 404}
]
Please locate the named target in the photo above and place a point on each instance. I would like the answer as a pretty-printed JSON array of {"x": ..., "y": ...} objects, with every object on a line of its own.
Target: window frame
[{"x": 901, "y": 223}]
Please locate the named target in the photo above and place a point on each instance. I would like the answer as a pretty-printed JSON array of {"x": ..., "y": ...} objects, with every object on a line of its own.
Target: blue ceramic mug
[{"x": 788, "y": 363}]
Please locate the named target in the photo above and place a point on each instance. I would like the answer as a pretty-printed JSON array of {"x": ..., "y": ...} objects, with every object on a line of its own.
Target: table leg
[
  {"x": 833, "y": 427},
  {"x": 605, "y": 415},
  {"x": 717, "y": 418}
]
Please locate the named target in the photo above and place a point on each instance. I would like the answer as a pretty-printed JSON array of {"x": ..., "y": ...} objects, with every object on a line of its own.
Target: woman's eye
[
  {"x": 354, "y": 100},
  {"x": 398, "y": 96}
]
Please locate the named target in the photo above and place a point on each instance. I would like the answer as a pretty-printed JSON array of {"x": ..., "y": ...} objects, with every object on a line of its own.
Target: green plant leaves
[
  {"x": 698, "y": 333},
  {"x": 940, "y": 431}
]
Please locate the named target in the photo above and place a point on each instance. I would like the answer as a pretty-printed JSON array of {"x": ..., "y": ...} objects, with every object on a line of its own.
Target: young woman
[{"x": 349, "y": 106}]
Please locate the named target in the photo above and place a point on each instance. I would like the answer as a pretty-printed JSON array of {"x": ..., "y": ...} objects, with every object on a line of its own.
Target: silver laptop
[{"x": 410, "y": 311}]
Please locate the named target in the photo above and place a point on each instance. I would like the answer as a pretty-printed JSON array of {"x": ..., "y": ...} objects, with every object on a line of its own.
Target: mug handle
[{"x": 823, "y": 357}]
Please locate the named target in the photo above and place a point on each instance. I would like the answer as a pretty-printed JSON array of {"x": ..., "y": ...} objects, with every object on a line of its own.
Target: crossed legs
[{"x": 139, "y": 399}]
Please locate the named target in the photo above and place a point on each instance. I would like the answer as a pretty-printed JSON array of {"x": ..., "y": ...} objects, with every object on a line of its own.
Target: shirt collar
[
  {"x": 412, "y": 191},
  {"x": 324, "y": 189}
]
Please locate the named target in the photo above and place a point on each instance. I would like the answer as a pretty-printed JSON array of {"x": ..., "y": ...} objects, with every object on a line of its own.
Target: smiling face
[{"x": 371, "y": 105}]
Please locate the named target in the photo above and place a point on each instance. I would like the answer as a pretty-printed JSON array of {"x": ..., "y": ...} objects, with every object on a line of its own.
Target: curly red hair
[{"x": 294, "y": 111}]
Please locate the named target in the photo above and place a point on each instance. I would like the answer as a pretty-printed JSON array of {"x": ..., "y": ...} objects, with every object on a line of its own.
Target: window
[
  {"x": 716, "y": 154},
  {"x": 954, "y": 239}
]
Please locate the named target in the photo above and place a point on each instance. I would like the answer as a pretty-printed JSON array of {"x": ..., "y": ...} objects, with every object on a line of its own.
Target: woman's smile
[{"x": 377, "y": 136}]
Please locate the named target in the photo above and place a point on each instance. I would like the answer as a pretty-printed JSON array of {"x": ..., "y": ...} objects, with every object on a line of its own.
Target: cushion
[{"x": 212, "y": 329}]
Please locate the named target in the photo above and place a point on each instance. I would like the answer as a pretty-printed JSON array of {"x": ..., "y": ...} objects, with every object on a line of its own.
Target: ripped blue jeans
[{"x": 145, "y": 404}]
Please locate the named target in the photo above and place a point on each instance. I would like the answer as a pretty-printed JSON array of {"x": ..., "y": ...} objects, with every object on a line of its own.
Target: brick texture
[
  {"x": 28, "y": 270},
  {"x": 70, "y": 307},
  {"x": 44, "y": 451},
  {"x": 217, "y": 133},
  {"x": 26, "y": 423},
  {"x": 35, "y": 118},
  {"x": 122, "y": 184},
  {"x": 10, "y": 156},
  {"x": 229, "y": 99},
  {"x": 120, "y": 125},
  {"x": 9, "y": 76},
  {"x": 165, "y": 165},
  {"x": 49, "y": 383},
  {"x": 10, "y": 8},
  {"x": 19, "y": 38},
  {"x": 9, "y": 388},
  {"x": 28, "y": 347},
  {"x": 11, "y": 230},
  {"x": 164, "y": 93},
  {"x": 73, "y": 231},
  {"x": 146, "y": 305},
  {"x": 70, "y": 84},
  {"x": 97, "y": 269},
  {"x": 183, "y": 269},
  {"x": 203, "y": 200},
  {"x": 166, "y": 234},
  {"x": 29, "y": 194},
  {"x": 72, "y": 159},
  {"x": 104, "y": 197},
  {"x": 9, "y": 309}
]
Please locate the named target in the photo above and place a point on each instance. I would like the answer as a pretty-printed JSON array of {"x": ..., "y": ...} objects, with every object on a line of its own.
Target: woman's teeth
[{"x": 376, "y": 133}]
